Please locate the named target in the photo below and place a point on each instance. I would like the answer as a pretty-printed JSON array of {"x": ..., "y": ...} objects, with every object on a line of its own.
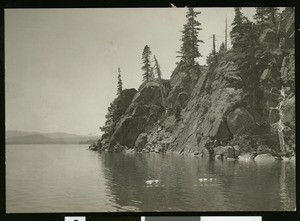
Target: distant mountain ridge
[{"x": 25, "y": 137}]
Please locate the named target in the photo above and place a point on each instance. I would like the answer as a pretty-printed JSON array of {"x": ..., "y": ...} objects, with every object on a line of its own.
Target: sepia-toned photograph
[{"x": 150, "y": 109}]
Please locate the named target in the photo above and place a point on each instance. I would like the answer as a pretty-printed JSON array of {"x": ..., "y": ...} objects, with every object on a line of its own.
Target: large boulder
[
  {"x": 226, "y": 152},
  {"x": 264, "y": 158},
  {"x": 237, "y": 150},
  {"x": 240, "y": 121}
]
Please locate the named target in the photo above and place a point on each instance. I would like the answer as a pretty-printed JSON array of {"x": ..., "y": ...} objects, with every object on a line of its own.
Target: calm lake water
[{"x": 70, "y": 178}]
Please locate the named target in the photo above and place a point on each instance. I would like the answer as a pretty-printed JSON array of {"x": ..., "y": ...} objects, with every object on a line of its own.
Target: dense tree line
[{"x": 245, "y": 37}]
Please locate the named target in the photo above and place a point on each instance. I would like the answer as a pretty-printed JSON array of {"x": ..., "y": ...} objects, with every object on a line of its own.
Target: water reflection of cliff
[{"x": 195, "y": 184}]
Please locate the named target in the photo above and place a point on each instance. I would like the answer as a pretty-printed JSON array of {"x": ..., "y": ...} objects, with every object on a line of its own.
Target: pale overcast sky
[{"x": 61, "y": 64}]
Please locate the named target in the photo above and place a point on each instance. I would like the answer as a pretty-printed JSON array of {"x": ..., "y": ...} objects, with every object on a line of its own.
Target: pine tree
[
  {"x": 110, "y": 118},
  {"x": 120, "y": 83},
  {"x": 260, "y": 14},
  {"x": 114, "y": 111},
  {"x": 238, "y": 26},
  {"x": 244, "y": 38},
  {"x": 222, "y": 47},
  {"x": 189, "y": 49},
  {"x": 210, "y": 59},
  {"x": 148, "y": 71}
]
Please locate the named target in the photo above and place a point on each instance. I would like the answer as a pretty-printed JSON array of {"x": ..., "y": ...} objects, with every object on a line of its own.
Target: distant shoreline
[
  {"x": 23, "y": 137},
  {"x": 45, "y": 143}
]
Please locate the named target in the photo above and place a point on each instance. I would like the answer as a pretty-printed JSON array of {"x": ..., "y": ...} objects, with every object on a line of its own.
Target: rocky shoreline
[{"x": 217, "y": 153}]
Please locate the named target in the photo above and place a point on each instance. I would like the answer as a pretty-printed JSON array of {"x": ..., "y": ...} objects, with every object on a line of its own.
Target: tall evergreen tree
[
  {"x": 120, "y": 83},
  {"x": 244, "y": 38},
  {"x": 146, "y": 60},
  {"x": 260, "y": 14},
  {"x": 238, "y": 26},
  {"x": 189, "y": 49},
  {"x": 115, "y": 110}
]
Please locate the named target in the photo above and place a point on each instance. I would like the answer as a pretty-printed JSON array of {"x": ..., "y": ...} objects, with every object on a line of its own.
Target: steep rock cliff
[
  {"x": 219, "y": 104},
  {"x": 222, "y": 106}
]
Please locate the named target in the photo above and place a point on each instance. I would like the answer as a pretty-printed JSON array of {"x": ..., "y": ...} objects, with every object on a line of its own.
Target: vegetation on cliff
[{"x": 243, "y": 101}]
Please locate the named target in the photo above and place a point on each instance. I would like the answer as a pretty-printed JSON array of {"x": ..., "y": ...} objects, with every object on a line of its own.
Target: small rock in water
[{"x": 151, "y": 182}]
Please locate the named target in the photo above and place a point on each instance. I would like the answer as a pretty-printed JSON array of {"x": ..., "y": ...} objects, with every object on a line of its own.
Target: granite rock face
[
  {"x": 145, "y": 109},
  {"x": 203, "y": 108}
]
